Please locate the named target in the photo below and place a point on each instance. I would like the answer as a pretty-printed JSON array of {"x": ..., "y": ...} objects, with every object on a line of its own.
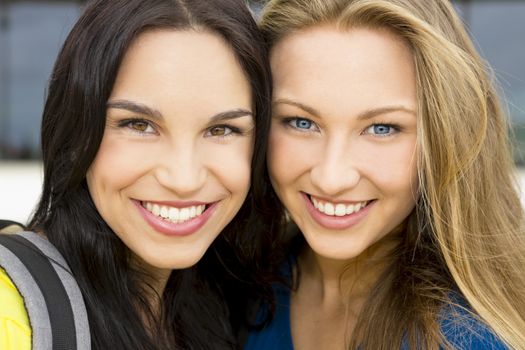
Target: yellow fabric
[
  {"x": 15, "y": 329},
  {"x": 11, "y": 229}
]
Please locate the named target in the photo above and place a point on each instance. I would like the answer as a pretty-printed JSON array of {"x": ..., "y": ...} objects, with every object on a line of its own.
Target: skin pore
[
  {"x": 342, "y": 161},
  {"x": 173, "y": 167}
]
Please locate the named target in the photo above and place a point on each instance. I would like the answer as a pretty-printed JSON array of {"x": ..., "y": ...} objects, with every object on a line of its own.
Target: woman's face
[
  {"x": 173, "y": 167},
  {"x": 343, "y": 136}
]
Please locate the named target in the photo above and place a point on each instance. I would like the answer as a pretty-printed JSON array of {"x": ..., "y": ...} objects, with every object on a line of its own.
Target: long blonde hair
[{"x": 466, "y": 236}]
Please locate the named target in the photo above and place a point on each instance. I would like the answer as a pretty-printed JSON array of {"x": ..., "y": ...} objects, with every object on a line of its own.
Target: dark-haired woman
[{"x": 156, "y": 112}]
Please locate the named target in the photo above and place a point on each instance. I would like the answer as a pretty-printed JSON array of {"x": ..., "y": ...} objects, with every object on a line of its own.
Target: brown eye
[
  {"x": 139, "y": 126},
  {"x": 218, "y": 131},
  {"x": 222, "y": 131}
]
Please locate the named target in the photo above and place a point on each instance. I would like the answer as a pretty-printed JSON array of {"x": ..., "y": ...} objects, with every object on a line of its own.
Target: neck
[{"x": 345, "y": 282}]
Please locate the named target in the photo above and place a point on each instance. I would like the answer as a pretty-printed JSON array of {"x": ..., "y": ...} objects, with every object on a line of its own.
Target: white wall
[{"x": 20, "y": 184}]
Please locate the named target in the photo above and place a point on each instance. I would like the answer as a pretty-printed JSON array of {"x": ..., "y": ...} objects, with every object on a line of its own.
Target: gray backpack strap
[{"x": 53, "y": 300}]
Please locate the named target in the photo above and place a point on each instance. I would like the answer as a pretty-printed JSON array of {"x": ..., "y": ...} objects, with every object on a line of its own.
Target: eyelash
[
  {"x": 394, "y": 129},
  {"x": 233, "y": 131},
  {"x": 287, "y": 122},
  {"x": 128, "y": 123}
]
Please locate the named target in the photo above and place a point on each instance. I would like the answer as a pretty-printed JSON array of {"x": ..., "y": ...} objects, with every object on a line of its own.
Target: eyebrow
[
  {"x": 145, "y": 110},
  {"x": 371, "y": 113},
  {"x": 304, "y": 107},
  {"x": 233, "y": 114},
  {"x": 135, "y": 107},
  {"x": 368, "y": 114}
]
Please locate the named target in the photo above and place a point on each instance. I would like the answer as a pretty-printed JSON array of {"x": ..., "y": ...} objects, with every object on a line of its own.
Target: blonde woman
[{"x": 389, "y": 150}]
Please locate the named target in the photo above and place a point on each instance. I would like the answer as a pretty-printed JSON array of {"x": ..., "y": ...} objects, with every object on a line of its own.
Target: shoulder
[
  {"x": 36, "y": 279},
  {"x": 464, "y": 330},
  {"x": 275, "y": 334},
  {"x": 15, "y": 329},
  {"x": 7, "y": 226},
  {"x": 273, "y": 330}
]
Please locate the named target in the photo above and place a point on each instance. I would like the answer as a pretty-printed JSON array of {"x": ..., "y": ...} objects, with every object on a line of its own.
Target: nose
[
  {"x": 182, "y": 170},
  {"x": 336, "y": 169}
]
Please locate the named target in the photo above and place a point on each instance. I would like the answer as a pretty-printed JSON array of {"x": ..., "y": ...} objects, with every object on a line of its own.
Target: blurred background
[{"x": 32, "y": 32}]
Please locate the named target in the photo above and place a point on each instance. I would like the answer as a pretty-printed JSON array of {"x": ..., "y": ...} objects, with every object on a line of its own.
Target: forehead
[
  {"x": 337, "y": 65},
  {"x": 188, "y": 66}
]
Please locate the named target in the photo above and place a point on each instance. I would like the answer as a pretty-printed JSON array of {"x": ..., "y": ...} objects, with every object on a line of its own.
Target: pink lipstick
[
  {"x": 176, "y": 229},
  {"x": 336, "y": 222}
]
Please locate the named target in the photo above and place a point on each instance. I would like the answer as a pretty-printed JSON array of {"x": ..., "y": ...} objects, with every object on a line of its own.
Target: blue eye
[
  {"x": 301, "y": 124},
  {"x": 381, "y": 129}
]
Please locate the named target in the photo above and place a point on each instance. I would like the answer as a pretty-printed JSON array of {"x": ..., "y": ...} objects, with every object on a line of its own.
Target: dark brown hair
[{"x": 201, "y": 306}]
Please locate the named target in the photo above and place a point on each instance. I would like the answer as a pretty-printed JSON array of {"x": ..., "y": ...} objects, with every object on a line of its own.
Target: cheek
[
  {"x": 280, "y": 148},
  {"x": 98, "y": 179},
  {"x": 118, "y": 164},
  {"x": 289, "y": 157},
  {"x": 231, "y": 164},
  {"x": 397, "y": 177}
]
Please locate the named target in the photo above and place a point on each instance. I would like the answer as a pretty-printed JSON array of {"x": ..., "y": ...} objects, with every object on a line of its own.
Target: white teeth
[
  {"x": 173, "y": 214},
  {"x": 200, "y": 209},
  {"x": 156, "y": 209},
  {"x": 337, "y": 209},
  {"x": 329, "y": 209},
  {"x": 184, "y": 214},
  {"x": 340, "y": 210}
]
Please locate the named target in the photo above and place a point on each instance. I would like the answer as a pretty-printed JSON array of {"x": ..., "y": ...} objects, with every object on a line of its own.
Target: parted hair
[
  {"x": 464, "y": 243},
  {"x": 202, "y": 306}
]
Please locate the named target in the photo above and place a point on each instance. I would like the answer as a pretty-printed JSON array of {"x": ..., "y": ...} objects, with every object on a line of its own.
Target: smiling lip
[
  {"x": 335, "y": 222},
  {"x": 176, "y": 229}
]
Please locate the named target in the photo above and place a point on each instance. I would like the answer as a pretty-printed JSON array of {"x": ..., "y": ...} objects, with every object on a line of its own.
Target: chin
[
  {"x": 343, "y": 248},
  {"x": 170, "y": 261},
  {"x": 178, "y": 264},
  {"x": 338, "y": 254}
]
